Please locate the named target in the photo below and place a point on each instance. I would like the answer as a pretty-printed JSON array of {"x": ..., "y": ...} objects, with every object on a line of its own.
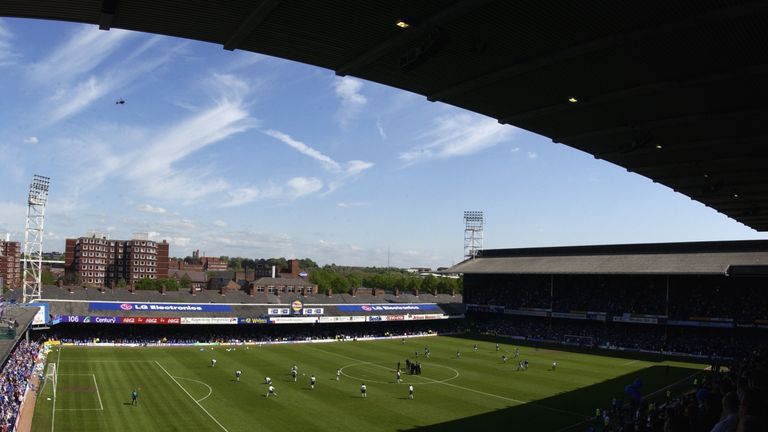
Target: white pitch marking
[
  {"x": 190, "y": 396},
  {"x": 210, "y": 390},
  {"x": 466, "y": 388},
  {"x": 55, "y": 384},
  {"x": 97, "y": 391}
]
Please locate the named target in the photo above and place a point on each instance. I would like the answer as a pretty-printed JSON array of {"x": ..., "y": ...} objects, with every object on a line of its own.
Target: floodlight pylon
[
  {"x": 33, "y": 237},
  {"x": 474, "y": 222}
]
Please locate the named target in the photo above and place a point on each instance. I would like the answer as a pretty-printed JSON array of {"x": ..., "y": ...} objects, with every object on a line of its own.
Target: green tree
[
  {"x": 122, "y": 283},
  {"x": 235, "y": 263},
  {"x": 169, "y": 284},
  {"x": 146, "y": 284},
  {"x": 428, "y": 283},
  {"x": 47, "y": 278},
  {"x": 414, "y": 284},
  {"x": 307, "y": 264},
  {"x": 186, "y": 281}
]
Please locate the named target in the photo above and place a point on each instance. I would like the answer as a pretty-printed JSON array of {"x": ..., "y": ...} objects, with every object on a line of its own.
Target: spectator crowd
[{"x": 14, "y": 379}]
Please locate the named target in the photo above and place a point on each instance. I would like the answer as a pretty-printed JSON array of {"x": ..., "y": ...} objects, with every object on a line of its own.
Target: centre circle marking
[{"x": 432, "y": 381}]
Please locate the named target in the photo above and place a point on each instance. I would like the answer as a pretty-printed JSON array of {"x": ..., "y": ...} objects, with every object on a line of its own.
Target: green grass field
[{"x": 180, "y": 391}]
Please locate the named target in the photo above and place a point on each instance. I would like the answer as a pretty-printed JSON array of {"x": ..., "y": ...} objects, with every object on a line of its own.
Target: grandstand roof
[
  {"x": 674, "y": 91},
  {"x": 24, "y": 316},
  {"x": 701, "y": 258}
]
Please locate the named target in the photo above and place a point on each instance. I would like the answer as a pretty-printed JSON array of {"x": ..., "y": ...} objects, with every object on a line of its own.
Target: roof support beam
[
  {"x": 107, "y": 15},
  {"x": 443, "y": 17},
  {"x": 631, "y": 92},
  {"x": 250, "y": 24},
  {"x": 649, "y": 148},
  {"x": 656, "y": 123},
  {"x": 588, "y": 47},
  {"x": 712, "y": 168}
]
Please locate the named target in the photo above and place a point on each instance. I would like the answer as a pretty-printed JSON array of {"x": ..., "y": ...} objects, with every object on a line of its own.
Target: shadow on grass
[
  {"x": 563, "y": 410},
  {"x": 632, "y": 355}
]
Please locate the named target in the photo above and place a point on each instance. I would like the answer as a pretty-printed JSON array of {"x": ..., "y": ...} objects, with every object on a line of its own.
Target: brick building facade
[
  {"x": 213, "y": 264},
  {"x": 102, "y": 262},
  {"x": 10, "y": 264}
]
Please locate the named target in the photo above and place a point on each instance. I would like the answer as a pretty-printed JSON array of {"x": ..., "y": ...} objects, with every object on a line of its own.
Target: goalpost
[{"x": 51, "y": 375}]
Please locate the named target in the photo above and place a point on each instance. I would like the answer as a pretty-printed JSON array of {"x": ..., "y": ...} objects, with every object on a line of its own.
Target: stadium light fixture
[
  {"x": 735, "y": 195},
  {"x": 572, "y": 99},
  {"x": 659, "y": 146},
  {"x": 402, "y": 24}
]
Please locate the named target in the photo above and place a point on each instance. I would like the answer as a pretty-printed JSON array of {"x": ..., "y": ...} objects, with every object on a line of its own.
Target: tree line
[{"x": 344, "y": 280}]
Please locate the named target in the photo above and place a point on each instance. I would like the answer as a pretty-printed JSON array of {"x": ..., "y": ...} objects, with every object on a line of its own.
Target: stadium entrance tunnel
[{"x": 568, "y": 411}]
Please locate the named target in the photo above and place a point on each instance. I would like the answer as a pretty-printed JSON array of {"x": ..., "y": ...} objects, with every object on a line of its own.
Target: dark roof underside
[{"x": 672, "y": 90}]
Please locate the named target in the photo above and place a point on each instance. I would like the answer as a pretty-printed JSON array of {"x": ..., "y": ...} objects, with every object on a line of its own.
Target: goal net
[{"x": 49, "y": 382}]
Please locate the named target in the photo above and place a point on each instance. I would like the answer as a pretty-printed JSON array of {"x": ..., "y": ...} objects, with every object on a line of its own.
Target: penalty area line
[{"x": 190, "y": 396}]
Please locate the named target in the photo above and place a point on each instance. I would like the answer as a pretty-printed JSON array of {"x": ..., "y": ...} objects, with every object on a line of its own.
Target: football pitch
[{"x": 178, "y": 390}]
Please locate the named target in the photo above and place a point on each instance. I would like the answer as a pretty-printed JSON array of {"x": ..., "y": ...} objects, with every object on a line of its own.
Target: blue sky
[{"x": 235, "y": 153}]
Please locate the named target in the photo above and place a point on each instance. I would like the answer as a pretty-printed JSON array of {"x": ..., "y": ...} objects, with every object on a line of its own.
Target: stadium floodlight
[
  {"x": 474, "y": 222},
  {"x": 33, "y": 237}
]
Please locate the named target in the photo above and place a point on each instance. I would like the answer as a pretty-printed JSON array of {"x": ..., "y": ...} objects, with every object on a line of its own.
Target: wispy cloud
[
  {"x": 7, "y": 55},
  {"x": 351, "y": 204},
  {"x": 245, "y": 195},
  {"x": 79, "y": 55},
  {"x": 350, "y": 168},
  {"x": 380, "y": 128},
  {"x": 458, "y": 135},
  {"x": 87, "y": 67},
  {"x": 12, "y": 219},
  {"x": 352, "y": 101},
  {"x": 304, "y": 149},
  {"x": 147, "y": 208},
  {"x": 354, "y": 167},
  {"x": 150, "y": 160},
  {"x": 31, "y": 140},
  {"x": 300, "y": 186},
  {"x": 532, "y": 155},
  {"x": 220, "y": 223}
]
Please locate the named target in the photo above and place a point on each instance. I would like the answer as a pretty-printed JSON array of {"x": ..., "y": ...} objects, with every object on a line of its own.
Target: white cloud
[
  {"x": 300, "y": 186},
  {"x": 532, "y": 155},
  {"x": 350, "y": 168},
  {"x": 31, "y": 140},
  {"x": 351, "y": 204},
  {"x": 352, "y": 101},
  {"x": 357, "y": 166},
  {"x": 147, "y": 208},
  {"x": 80, "y": 54},
  {"x": 220, "y": 223},
  {"x": 7, "y": 55},
  {"x": 304, "y": 149},
  {"x": 180, "y": 241},
  {"x": 515, "y": 150},
  {"x": 87, "y": 69},
  {"x": 380, "y": 128},
  {"x": 458, "y": 135},
  {"x": 245, "y": 195},
  {"x": 12, "y": 216}
]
